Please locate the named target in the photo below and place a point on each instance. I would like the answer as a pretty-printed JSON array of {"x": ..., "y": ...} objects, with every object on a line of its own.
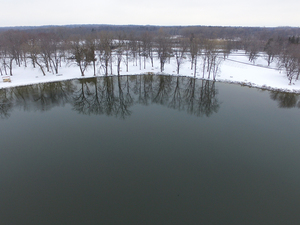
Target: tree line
[
  {"x": 209, "y": 32},
  {"x": 99, "y": 49}
]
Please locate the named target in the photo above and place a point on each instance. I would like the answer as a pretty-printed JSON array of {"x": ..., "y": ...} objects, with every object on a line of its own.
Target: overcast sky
[{"x": 269, "y": 13}]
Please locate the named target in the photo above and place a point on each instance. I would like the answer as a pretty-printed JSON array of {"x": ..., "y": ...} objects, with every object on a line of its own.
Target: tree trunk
[
  {"x": 195, "y": 67},
  {"x": 10, "y": 66},
  {"x": 94, "y": 66},
  {"x": 41, "y": 67}
]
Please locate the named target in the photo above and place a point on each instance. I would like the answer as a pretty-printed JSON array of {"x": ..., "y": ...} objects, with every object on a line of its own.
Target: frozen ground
[{"x": 235, "y": 69}]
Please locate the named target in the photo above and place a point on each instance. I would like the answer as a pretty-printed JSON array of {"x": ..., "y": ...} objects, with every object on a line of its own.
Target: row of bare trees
[
  {"x": 283, "y": 52},
  {"x": 47, "y": 51},
  {"x": 289, "y": 60},
  {"x": 101, "y": 50},
  {"x": 42, "y": 50}
]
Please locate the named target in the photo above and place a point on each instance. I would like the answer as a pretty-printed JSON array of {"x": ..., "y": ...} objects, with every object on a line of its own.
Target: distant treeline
[{"x": 211, "y": 32}]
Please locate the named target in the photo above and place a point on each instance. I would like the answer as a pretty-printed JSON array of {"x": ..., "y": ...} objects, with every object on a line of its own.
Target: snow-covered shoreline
[{"x": 236, "y": 69}]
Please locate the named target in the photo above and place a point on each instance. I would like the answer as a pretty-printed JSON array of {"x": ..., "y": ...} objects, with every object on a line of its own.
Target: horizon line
[{"x": 147, "y": 25}]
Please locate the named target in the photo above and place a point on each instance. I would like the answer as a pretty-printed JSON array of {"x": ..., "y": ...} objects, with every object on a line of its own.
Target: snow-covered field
[{"x": 235, "y": 69}]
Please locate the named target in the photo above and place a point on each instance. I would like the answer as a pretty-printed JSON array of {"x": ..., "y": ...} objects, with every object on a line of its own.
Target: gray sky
[{"x": 156, "y": 12}]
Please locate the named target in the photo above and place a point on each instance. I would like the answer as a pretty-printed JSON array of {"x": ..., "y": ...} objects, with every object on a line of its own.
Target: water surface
[{"x": 148, "y": 150}]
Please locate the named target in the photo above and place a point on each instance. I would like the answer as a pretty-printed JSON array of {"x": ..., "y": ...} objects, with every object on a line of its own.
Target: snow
[{"x": 235, "y": 69}]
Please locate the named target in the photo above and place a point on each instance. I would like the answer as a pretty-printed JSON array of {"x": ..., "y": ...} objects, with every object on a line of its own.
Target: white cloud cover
[{"x": 155, "y": 12}]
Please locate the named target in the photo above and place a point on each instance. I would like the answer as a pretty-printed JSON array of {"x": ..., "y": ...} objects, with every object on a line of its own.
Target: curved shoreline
[
  {"x": 247, "y": 84},
  {"x": 235, "y": 69}
]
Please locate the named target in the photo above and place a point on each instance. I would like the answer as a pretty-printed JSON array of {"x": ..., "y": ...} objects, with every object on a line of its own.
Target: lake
[{"x": 148, "y": 150}]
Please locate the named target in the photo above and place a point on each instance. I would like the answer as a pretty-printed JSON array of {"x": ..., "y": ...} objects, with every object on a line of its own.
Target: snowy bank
[{"x": 235, "y": 69}]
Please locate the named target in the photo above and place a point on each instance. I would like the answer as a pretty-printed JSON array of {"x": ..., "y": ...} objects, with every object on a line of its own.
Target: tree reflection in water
[
  {"x": 6, "y": 103},
  {"x": 114, "y": 95},
  {"x": 286, "y": 100},
  {"x": 40, "y": 97}
]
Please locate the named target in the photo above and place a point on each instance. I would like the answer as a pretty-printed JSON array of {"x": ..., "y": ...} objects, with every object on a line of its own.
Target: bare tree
[
  {"x": 34, "y": 52},
  {"x": 91, "y": 44},
  {"x": 164, "y": 48},
  {"x": 252, "y": 48},
  {"x": 119, "y": 52},
  {"x": 12, "y": 41},
  {"x": 193, "y": 49},
  {"x": 290, "y": 61},
  {"x": 147, "y": 47},
  {"x": 80, "y": 54},
  {"x": 133, "y": 47},
  {"x": 127, "y": 54},
  {"x": 211, "y": 59},
  {"x": 51, "y": 51},
  {"x": 272, "y": 49},
  {"x": 105, "y": 50},
  {"x": 180, "y": 50}
]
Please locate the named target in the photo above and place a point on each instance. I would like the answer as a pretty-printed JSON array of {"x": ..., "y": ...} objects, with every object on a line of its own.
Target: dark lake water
[{"x": 148, "y": 150}]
